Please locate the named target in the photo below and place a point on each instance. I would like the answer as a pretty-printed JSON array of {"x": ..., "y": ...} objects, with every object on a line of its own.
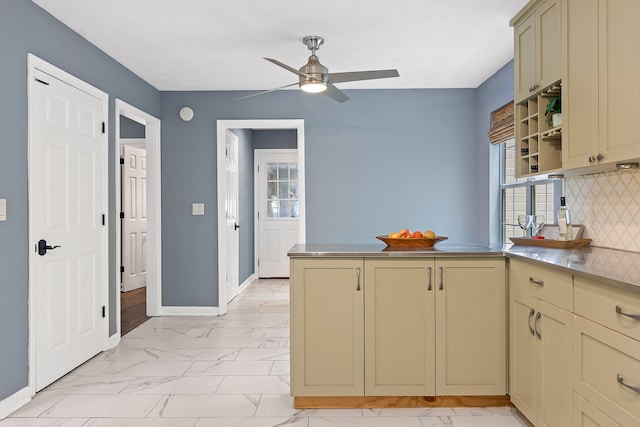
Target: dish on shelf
[
  {"x": 411, "y": 242},
  {"x": 562, "y": 244}
]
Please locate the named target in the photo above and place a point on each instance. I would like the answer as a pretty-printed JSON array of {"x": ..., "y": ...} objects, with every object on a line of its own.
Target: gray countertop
[{"x": 615, "y": 267}]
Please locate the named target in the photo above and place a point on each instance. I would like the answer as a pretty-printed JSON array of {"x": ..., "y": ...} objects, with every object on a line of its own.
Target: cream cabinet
[
  {"x": 537, "y": 57},
  {"x": 470, "y": 307},
  {"x": 585, "y": 414},
  {"x": 398, "y": 327},
  {"x": 327, "y": 327},
  {"x": 601, "y": 88},
  {"x": 540, "y": 339},
  {"x": 606, "y": 368}
]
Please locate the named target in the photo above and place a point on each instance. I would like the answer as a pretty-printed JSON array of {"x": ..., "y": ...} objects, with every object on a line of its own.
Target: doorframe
[
  {"x": 263, "y": 124},
  {"x": 35, "y": 63},
  {"x": 256, "y": 228},
  {"x": 154, "y": 223},
  {"x": 235, "y": 139}
]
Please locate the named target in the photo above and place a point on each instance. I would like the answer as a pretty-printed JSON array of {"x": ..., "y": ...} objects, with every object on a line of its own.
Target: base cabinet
[
  {"x": 585, "y": 414},
  {"x": 398, "y": 327},
  {"x": 540, "y": 349}
]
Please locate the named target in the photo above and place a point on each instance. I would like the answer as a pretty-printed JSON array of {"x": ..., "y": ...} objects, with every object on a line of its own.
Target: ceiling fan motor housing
[{"x": 316, "y": 72}]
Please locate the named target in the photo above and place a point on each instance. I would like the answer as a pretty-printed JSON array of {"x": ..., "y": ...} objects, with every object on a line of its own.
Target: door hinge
[
  {"x": 258, "y": 262},
  {"x": 41, "y": 81},
  {"x": 104, "y": 127},
  {"x": 103, "y": 219},
  {"x": 122, "y": 269},
  {"x": 122, "y": 160},
  {"x": 121, "y": 215},
  {"x": 104, "y": 311},
  {"x": 258, "y": 168}
]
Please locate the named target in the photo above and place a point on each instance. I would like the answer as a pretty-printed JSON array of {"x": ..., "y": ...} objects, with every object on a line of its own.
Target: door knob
[{"x": 43, "y": 247}]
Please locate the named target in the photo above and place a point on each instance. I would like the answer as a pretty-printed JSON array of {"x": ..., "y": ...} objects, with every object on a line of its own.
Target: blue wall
[
  {"x": 275, "y": 139},
  {"x": 25, "y": 27},
  {"x": 131, "y": 129}
]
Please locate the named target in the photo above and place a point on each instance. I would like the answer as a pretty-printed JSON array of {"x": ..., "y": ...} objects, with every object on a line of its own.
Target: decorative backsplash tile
[{"x": 608, "y": 205}]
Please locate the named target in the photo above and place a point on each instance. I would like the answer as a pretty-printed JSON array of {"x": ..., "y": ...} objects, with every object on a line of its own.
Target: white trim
[
  {"x": 114, "y": 340},
  {"x": 33, "y": 63},
  {"x": 14, "y": 402},
  {"x": 190, "y": 311},
  {"x": 246, "y": 283},
  {"x": 133, "y": 142},
  {"x": 154, "y": 230},
  {"x": 222, "y": 126}
]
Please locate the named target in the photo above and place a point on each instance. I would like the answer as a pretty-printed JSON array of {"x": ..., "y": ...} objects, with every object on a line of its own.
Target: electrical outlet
[
  {"x": 197, "y": 209},
  {"x": 3, "y": 209}
]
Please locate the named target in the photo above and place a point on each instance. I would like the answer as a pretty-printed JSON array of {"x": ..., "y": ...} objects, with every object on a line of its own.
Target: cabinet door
[
  {"x": 470, "y": 327},
  {"x": 580, "y": 85},
  {"x": 554, "y": 331},
  {"x": 522, "y": 352},
  {"x": 585, "y": 414},
  {"x": 327, "y": 327},
  {"x": 399, "y": 327},
  {"x": 619, "y": 82},
  {"x": 549, "y": 43},
  {"x": 525, "y": 58}
]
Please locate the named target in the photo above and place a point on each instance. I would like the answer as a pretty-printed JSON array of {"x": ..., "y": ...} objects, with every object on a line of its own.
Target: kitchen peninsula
[{"x": 407, "y": 327}]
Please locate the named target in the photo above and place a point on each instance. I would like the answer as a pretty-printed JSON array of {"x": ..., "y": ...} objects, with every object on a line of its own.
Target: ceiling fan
[{"x": 316, "y": 78}]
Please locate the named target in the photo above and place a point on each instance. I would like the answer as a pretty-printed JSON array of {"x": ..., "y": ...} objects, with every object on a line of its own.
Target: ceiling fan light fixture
[{"x": 313, "y": 87}]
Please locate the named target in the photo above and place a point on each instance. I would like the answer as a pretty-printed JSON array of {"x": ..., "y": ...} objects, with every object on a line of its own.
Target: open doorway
[
  {"x": 138, "y": 216},
  {"x": 239, "y": 127}
]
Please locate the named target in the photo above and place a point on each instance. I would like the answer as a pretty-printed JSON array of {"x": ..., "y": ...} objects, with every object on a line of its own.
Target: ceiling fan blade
[
  {"x": 286, "y": 67},
  {"x": 266, "y": 91},
  {"x": 335, "y": 93},
  {"x": 362, "y": 75}
]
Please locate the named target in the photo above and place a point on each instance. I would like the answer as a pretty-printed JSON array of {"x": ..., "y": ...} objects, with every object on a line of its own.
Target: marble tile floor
[{"x": 222, "y": 371}]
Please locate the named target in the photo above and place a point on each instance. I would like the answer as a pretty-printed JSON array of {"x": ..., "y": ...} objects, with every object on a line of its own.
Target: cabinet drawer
[
  {"x": 552, "y": 286},
  {"x": 585, "y": 414},
  {"x": 604, "y": 361},
  {"x": 601, "y": 303}
]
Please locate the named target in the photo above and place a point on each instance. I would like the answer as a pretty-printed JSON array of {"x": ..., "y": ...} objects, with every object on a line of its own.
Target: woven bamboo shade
[{"x": 502, "y": 124}]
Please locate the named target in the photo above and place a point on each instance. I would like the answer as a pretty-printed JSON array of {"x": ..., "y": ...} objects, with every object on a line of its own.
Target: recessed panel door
[
  {"x": 67, "y": 184},
  {"x": 134, "y": 223}
]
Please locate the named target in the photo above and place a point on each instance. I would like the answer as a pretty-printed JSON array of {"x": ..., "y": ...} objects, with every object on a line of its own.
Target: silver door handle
[
  {"x": 531, "y": 313},
  {"x": 536, "y": 282},
  {"x": 429, "y": 274},
  {"x": 358, "y": 276},
  {"x": 630, "y": 387},
  {"x": 441, "y": 278},
  {"x": 632, "y": 316},
  {"x": 535, "y": 324}
]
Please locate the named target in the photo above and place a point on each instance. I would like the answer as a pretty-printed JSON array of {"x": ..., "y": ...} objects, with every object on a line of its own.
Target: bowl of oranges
[{"x": 412, "y": 239}]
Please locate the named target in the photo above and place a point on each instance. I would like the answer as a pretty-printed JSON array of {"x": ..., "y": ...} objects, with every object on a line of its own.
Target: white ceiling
[{"x": 219, "y": 44}]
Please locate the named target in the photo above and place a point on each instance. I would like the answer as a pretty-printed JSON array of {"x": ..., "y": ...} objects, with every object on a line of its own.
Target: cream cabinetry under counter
[
  {"x": 429, "y": 327},
  {"x": 540, "y": 334}
]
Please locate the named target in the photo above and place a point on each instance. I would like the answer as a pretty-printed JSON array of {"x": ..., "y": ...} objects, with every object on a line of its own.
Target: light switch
[
  {"x": 3, "y": 209},
  {"x": 197, "y": 209}
]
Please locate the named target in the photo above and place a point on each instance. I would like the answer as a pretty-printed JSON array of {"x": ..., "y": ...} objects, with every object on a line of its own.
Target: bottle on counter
[{"x": 564, "y": 221}]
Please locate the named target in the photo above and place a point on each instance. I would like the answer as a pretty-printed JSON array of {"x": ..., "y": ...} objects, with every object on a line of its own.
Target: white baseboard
[
  {"x": 189, "y": 311},
  {"x": 113, "y": 341},
  {"x": 246, "y": 283},
  {"x": 14, "y": 402}
]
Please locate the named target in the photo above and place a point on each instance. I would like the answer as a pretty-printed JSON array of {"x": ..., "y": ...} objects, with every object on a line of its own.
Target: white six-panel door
[
  {"x": 134, "y": 223},
  {"x": 67, "y": 184},
  {"x": 231, "y": 212},
  {"x": 278, "y": 206}
]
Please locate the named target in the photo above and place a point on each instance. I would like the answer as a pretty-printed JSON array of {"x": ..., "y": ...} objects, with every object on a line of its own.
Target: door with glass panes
[{"x": 277, "y": 206}]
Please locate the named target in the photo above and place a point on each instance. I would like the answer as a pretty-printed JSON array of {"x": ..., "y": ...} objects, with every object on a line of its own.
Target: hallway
[{"x": 226, "y": 371}]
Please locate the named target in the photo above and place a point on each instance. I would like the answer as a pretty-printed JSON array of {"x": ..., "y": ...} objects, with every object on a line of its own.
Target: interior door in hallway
[
  {"x": 134, "y": 223},
  {"x": 231, "y": 212},
  {"x": 67, "y": 185},
  {"x": 278, "y": 206}
]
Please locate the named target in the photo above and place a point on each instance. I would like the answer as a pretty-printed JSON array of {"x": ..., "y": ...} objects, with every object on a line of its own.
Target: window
[
  {"x": 282, "y": 190},
  {"x": 532, "y": 196}
]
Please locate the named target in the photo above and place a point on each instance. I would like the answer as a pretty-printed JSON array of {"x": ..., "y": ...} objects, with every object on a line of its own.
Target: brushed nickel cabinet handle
[
  {"x": 536, "y": 282},
  {"x": 531, "y": 313},
  {"x": 632, "y": 316},
  {"x": 441, "y": 278},
  {"x": 599, "y": 157},
  {"x": 535, "y": 324},
  {"x": 591, "y": 159},
  {"x": 630, "y": 387},
  {"x": 429, "y": 274},
  {"x": 358, "y": 276}
]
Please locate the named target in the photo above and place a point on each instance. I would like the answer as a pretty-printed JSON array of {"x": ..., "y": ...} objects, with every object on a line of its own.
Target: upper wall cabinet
[
  {"x": 538, "y": 41},
  {"x": 601, "y": 86}
]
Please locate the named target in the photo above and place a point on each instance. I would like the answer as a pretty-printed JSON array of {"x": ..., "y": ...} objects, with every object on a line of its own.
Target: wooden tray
[
  {"x": 563, "y": 244},
  {"x": 411, "y": 242}
]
